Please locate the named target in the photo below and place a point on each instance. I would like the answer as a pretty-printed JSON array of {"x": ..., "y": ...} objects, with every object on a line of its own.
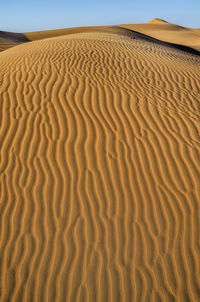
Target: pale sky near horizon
[{"x": 32, "y": 15}]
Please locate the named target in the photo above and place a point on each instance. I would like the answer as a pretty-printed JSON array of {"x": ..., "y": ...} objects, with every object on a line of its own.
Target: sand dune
[
  {"x": 169, "y": 32},
  {"x": 99, "y": 170},
  {"x": 135, "y": 35},
  {"x": 156, "y": 28},
  {"x": 8, "y": 39}
]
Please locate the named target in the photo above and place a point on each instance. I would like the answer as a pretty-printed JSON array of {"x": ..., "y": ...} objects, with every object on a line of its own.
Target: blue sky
[{"x": 31, "y": 15}]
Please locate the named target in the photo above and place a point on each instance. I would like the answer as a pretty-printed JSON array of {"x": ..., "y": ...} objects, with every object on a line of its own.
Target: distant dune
[
  {"x": 8, "y": 39},
  {"x": 99, "y": 165},
  {"x": 169, "y": 32},
  {"x": 156, "y": 28}
]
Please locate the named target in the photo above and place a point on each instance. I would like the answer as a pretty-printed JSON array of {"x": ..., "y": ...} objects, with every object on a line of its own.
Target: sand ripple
[{"x": 99, "y": 171}]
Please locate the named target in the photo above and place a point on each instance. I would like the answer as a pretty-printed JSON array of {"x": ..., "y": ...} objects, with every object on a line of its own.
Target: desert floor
[{"x": 100, "y": 164}]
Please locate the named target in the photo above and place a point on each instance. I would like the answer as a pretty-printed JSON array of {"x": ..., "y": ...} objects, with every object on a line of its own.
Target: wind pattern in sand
[{"x": 99, "y": 171}]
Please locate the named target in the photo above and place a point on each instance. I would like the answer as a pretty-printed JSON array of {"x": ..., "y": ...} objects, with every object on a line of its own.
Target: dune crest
[
  {"x": 157, "y": 20},
  {"x": 99, "y": 170},
  {"x": 156, "y": 28}
]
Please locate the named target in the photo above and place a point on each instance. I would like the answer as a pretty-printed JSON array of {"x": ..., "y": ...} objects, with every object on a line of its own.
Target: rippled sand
[{"x": 99, "y": 169}]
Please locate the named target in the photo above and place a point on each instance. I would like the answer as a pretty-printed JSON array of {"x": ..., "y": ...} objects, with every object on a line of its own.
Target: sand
[
  {"x": 169, "y": 32},
  {"x": 99, "y": 170},
  {"x": 8, "y": 39}
]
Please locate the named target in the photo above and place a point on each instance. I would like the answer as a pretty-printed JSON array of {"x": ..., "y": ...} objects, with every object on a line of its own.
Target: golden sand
[
  {"x": 99, "y": 169},
  {"x": 169, "y": 32}
]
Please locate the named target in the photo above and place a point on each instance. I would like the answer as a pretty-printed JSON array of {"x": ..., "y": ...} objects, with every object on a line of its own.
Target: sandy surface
[
  {"x": 8, "y": 39},
  {"x": 169, "y": 32},
  {"x": 156, "y": 28},
  {"x": 99, "y": 170}
]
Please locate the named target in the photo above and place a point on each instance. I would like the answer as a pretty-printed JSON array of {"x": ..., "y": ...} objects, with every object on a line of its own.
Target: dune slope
[
  {"x": 99, "y": 170},
  {"x": 8, "y": 39},
  {"x": 168, "y": 32},
  {"x": 156, "y": 28}
]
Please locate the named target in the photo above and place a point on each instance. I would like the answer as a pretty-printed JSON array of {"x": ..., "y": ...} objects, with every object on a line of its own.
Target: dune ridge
[
  {"x": 168, "y": 32},
  {"x": 157, "y": 28},
  {"x": 99, "y": 170}
]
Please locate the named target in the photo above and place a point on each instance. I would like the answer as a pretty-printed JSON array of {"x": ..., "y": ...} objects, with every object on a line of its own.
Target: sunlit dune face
[{"x": 99, "y": 168}]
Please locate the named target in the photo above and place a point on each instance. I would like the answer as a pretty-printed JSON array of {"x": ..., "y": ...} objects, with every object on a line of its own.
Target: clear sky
[{"x": 31, "y": 15}]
